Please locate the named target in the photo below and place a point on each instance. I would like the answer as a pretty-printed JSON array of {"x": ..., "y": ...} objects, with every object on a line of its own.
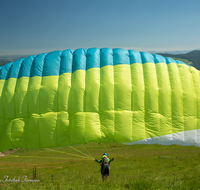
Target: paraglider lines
[
  {"x": 88, "y": 152},
  {"x": 11, "y": 156},
  {"x": 81, "y": 152},
  {"x": 69, "y": 153}
]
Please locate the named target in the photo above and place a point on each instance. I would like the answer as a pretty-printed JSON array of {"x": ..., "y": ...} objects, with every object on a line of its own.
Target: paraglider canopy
[{"x": 104, "y": 95}]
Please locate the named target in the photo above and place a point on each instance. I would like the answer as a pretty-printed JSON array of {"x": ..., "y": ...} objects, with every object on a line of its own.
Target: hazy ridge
[{"x": 192, "y": 57}]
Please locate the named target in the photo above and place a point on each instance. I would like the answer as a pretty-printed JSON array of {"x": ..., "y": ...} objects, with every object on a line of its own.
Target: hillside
[{"x": 193, "y": 56}]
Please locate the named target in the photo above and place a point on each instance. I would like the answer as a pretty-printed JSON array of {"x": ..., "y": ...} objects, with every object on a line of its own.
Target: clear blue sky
[{"x": 37, "y": 26}]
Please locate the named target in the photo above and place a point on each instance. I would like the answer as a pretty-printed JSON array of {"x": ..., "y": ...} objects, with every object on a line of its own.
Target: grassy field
[{"x": 134, "y": 167}]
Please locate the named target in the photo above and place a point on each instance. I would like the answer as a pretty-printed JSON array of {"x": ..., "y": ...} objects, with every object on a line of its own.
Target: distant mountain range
[
  {"x": 192, "y": 58},
  {"x": 10, "y": 58},
  {"x": 189, "y": 57},
  {"x": 173, "y": 52}
]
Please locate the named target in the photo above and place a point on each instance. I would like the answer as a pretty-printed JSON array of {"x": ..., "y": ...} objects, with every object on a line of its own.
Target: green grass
[{"x": 134, "y": 167}]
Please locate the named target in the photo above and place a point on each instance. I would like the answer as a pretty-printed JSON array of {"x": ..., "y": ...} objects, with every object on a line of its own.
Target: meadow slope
[{"x": 134, "y": 167}]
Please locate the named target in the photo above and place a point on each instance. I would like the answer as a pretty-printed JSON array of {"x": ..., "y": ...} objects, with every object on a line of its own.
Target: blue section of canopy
[{"x": 68, "y": 61}]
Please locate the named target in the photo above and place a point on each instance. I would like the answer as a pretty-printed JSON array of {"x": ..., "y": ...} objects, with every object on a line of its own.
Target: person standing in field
[{"x": 105, "y": 165}]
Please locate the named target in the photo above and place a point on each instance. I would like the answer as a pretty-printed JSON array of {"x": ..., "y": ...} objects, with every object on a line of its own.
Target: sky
[{"x": 30, "y": 27}]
